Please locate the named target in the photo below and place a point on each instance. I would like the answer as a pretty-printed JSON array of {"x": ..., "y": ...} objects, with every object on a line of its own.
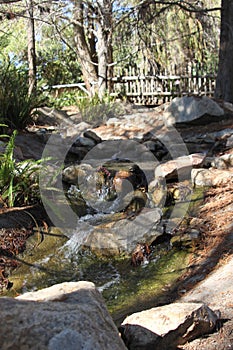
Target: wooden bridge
[{"x": 150, "y": 87}]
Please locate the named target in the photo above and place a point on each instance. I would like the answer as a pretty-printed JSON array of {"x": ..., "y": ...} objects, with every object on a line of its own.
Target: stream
[{"x": 94, "y": 251}]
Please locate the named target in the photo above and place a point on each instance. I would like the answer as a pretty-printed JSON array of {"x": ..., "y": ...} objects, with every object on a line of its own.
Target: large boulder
[
  {"x": 66, "y": 316},
  {"x": 188, "y": 108},
  {"x": 166, "y": 327},
  {"x": 121, "y": 236}
]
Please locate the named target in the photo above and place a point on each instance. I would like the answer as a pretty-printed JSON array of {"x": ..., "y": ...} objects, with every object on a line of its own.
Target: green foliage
[
  {"x": 58, "y": 66},
  {"x": 18, "y": 180},
  {"x": 158, "y": 35},
  {"x": 97, "y": 109},
  {"x": 92, "y": 109},
  {"x": 66, "y": 98},
  {"x": 16, "y": 105}
]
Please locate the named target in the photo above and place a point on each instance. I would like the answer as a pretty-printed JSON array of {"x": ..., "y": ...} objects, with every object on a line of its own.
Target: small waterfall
[{"x": 78, "y": 237}]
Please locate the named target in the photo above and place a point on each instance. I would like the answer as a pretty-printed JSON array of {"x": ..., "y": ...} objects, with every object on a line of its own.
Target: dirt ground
[{"x": 210, "y": 276}]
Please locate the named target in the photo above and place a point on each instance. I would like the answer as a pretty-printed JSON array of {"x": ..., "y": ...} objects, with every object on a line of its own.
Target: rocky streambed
[{"x": 125, "y": 205}]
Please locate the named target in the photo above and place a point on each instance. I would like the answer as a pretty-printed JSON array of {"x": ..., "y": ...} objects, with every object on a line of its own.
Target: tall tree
[
  {"x": 224, "y": 82},
  {"x": 31, "y": 49},
  {"x": 92, "y": 21}
]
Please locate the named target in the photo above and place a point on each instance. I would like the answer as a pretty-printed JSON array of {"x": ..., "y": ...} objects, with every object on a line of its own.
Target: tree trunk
[
  {"x": 93, "y": 39},
  {"x": 31, "y": 51},
  {"x": 104, "y": 48},
  {"x": 224, "y": 81},
  {"x": 85, "y": 54}
]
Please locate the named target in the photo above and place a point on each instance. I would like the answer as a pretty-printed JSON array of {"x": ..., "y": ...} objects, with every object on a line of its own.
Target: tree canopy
[{"x": 86, "y": 40}]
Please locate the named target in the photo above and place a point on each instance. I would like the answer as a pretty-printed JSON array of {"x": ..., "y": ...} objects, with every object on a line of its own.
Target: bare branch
[{"x": 6, "y": 2}]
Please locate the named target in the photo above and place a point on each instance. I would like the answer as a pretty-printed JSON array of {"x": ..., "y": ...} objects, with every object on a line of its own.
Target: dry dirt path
[{"x": 213, "y": 267}]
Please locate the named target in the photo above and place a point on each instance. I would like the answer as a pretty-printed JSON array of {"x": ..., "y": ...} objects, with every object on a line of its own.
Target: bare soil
[{"x": 210, "y": 275}]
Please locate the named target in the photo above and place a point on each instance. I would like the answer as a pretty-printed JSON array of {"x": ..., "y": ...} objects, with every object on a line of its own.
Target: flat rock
[
  {"x": 173, "y": 324},
  {"x": 49, "y": 116},
  {"x": 66, "y": 316},
  {"x": 180, "y": 167},
  {"x": 188, "y": 108},
  {"x": 211, "y": 177},
  {"x": 29, "y": 146},
  {"x": 223, "y": 162},
  {"x": 131, "y": 126},
  {"x": 123, "y": 235}
]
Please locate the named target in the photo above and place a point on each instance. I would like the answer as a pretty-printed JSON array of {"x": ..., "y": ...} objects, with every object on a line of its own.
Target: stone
[
  {"x": 210, "y": 177},
  {"x": 92, "y": 135},
  {"x": 223, "y": 162},
  {"x": 50, "y": 116},
  {"x": 76, "y": 174},
  {"x": 85, "y": 141},
  {"x": 129, "y": 126},
  {"x": 179, "y": 167},
  {"x": 157, "y": 192},
  {"x": 168, "y": 326},
  {"x": 188, "y": 108},
  {"x": 31, "y": 145},
  {"x": 188, "y": 239},
  {"x": 71, "y": 315},
  {"x": 216, "y": 289},
  {"x": 140, "y": 338},
  {"x": 156, "y": 148},
  {"x": 230, "y": 142},
  {"x": 123, "y": 235},
  {"x": 74, "y": 129},
  {"x": 78, "y": 153}
]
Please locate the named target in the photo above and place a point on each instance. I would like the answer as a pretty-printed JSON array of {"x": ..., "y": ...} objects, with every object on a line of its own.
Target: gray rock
[
  {"x": 78, "y": 152},
  {"x": 174, "y": 325},
  {"x": 216, "y": 289},
  {"x": 66, "y": 316},
  {"x": 74, "y": 129},
  {"x": 230, "y": 142},
  {"x": 76, "y": 174},
  {"x": 221, "y": 134},
  {"x": 186, "y": 109},
  {"x": 210, "y": 177},
  {"x": 29, "y": 146},
  {"x": 50, "y": 116},
  {"x": 92, "y": 135},
  {"x": 180, "y": 167},
  {"x": 140, "y": 338},
  {"x": 85, "y": 141},
  {"x": 223, "y": 162},
  {"x": 123, "y": 235}
]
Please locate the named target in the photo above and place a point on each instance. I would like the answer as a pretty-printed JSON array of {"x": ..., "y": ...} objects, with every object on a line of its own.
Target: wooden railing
[
  {"x": 161, "y": 87},
  {"x": 153, "y": 87}
]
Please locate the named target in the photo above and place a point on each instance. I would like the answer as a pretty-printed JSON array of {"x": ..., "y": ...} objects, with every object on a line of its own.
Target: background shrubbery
[{"x": 15, "y": 103}]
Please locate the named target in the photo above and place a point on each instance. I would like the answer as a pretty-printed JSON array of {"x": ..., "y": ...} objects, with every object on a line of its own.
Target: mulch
[
  {"x": 12, "y": 242},
  {"x": 16, "y": 225}
]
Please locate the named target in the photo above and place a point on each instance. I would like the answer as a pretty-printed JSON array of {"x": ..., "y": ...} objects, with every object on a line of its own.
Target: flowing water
[{"x": 55, "y": 256}]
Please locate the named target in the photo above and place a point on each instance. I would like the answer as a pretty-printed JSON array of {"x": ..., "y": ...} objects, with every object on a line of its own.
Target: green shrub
[
  {"x": 92, "y": 109},
  {"x": 19, "y": 183},
  {"x": 15, "y": 103},
  {"x": 66, "y": 98}
]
